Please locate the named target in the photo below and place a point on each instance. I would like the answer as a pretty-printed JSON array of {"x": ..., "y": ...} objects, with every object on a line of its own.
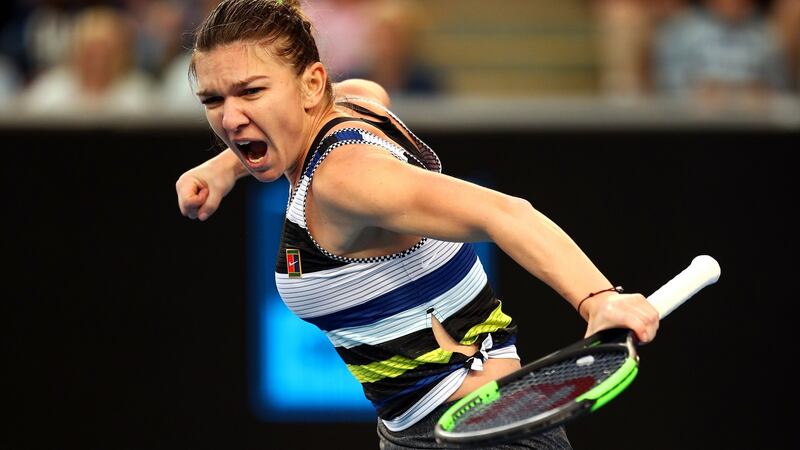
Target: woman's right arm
[{"x": 200, "y": 189}]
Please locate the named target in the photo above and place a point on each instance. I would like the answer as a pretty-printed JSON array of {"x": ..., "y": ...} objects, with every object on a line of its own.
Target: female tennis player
[{"x": 375, "y": 249}]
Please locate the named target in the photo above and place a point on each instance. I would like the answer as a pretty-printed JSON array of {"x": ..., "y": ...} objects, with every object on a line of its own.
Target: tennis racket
[{"x": 570, "y": 383}]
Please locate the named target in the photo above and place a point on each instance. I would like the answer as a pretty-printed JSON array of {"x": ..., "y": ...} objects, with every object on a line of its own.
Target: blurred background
[
  {"x": 650, "y": 130},
  {"x": 129, "y": 57}
]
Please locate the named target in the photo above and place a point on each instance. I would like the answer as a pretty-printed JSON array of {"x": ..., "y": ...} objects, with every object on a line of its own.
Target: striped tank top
[{"x": 377, "y": 312}]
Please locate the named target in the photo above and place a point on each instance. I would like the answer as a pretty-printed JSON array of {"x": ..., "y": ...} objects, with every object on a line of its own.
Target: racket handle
[{"x": 703, "y": 270}]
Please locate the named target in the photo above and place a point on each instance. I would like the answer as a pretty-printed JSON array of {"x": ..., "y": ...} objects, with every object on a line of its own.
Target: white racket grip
[{"x": 703, "y": 270}]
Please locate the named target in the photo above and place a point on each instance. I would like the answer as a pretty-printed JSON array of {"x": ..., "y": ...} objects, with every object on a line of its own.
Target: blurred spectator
[
  {"x": 623, "y": 36},
  {"x": 342, "y": 32},
  {"x": 393, "y": 58},
  {"x": 10, "y": 81},
  {"x": 176, "y": 91},
  {"x": 787, "y": 21},
  {"x": 724, "y": 50},
  {"x": 625, "y": 30},
  {"x": 98, "y": 75},
  {"x": 46, "y": 36},
  {"x": 373, "y": 39},
  {"x": 12, "y": 42},
  {"x": 162, "y": 32}
]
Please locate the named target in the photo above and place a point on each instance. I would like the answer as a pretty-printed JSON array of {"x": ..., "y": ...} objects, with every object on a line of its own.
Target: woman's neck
[{"x": 316, "y": 122}]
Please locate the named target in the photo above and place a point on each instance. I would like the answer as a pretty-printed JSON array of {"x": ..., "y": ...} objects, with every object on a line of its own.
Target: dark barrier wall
[{"x": 125, "y": 325}]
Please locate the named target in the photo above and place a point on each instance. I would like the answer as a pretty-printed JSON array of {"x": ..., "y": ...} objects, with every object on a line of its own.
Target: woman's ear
[{"x": 313, "y": 82}]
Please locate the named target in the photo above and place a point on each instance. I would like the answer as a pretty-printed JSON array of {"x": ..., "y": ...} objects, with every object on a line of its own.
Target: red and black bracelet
[{"x": 618, "y": 289}]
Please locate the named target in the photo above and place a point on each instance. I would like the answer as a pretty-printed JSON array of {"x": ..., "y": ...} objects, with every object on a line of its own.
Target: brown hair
[{"x": 266, "y": 22}]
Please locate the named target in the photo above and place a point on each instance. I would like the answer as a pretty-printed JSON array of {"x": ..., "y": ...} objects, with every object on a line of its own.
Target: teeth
[{"x": 243, "y": 142}]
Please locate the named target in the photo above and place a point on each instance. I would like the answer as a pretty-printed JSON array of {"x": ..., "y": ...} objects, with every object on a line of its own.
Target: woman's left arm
[{"x": 396, "y": 196}]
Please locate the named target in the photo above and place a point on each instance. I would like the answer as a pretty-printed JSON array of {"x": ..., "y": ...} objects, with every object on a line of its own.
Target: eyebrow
[{"x": 236, "y": 85}]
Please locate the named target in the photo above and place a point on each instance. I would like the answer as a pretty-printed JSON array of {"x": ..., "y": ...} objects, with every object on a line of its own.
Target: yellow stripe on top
[
  {"x": 496, "y": 320},
  {"x": 398, "y": 365}
]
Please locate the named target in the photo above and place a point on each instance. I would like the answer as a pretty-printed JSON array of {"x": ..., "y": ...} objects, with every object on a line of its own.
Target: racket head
[{"x": 546, "y": 393}]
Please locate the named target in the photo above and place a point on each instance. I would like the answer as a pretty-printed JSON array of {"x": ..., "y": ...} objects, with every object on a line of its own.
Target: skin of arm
[
  {"x": 392, "y": 195},
  {"x": 201, "y": 189}
]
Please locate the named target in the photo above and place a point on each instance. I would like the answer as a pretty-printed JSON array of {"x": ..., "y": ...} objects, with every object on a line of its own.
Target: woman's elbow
[
  {"x": 506, "y": 215},
  {"x": 358, "y": 87},
  {"x": 516, "y": 206}
]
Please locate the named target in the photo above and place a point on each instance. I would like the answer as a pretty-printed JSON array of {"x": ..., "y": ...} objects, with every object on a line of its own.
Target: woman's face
[{"x": 254, "y": 103}]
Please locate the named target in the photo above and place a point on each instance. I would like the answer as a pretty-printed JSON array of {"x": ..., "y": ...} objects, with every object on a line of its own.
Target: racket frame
[{"x": 610, "y": 340}]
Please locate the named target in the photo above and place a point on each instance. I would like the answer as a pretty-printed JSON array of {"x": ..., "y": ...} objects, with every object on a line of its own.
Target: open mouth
[{"x": 254, "y": 151}]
